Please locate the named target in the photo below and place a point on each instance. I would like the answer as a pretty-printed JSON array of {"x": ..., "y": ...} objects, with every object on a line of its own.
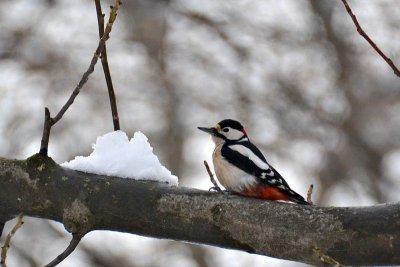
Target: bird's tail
[{"x": 296, "y": 198}]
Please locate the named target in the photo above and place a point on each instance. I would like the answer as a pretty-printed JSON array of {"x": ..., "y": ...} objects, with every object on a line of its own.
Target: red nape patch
[
  {"x": 244, "y": 132},
  {"x": 265, "y": 192}
]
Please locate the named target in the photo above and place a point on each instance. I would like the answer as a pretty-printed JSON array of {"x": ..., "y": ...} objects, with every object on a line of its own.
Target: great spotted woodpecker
[{"x": 242, "y": 168}]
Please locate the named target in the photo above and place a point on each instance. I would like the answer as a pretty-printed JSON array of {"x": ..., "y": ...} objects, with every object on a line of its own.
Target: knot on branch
[
  {"x": 77, "y": 218},
  {"x": 217, "y": 212},
  {"x": 40, "y": 162}
]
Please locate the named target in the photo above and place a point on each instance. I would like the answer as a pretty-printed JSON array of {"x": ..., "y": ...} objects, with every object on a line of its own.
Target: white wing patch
[
  {"x": 253, "y": 157},
  {"x": 270, "y": 172}
]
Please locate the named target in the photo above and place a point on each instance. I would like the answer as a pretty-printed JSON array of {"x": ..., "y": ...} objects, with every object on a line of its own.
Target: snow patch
[{"x": 115, "y": 155}]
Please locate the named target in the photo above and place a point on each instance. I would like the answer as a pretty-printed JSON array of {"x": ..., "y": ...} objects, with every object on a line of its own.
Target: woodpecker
[{"x": 242, "y": 168}]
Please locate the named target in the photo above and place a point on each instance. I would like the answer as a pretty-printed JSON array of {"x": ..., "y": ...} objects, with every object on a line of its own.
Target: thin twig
[
  {"x": 76, "y": 238},
  {"x": 366, "y": 37},
  {"x": 1, "y": 228},
  {"x": 46, "y": 132},
  {"x": 6, "y": 246},
  {"x": 50, "y": 122},
  {"x": 93, "y": 62},
  {"x": 215, "y": 187},
  {"x": 106, "y": 69},
  {"x": 309, "y": 193},
  {"x": 325, "y": 258}
]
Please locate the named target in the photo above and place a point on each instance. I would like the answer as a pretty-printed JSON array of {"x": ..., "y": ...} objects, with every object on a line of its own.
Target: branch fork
[{"x": 100, "y": 52}]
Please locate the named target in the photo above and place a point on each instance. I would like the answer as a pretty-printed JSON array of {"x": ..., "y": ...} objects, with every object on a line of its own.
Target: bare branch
[
  {"x": 325, "y": 258},
  {"x": 366, "y": 37},
  {"x": 93, "y": 62},
  {"x": 1, "y": 228},
  {"x": 85, "y": 77},
  {"x": 100, "y": 18},
  {"x": 76, "y": 238},
  {"x": 106, "y": 69},
  {"x": 86, "y": 202},
  {"x": 46, "y": 132},
  {"x": 4, "y": 249}
]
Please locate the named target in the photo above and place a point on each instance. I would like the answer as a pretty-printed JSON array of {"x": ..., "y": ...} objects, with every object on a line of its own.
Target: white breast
[{"x": 231, "y": 177}]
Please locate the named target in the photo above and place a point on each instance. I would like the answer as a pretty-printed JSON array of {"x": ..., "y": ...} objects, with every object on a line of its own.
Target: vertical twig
[
  {"x": 106, "y": 69},
  {"x": 1, "y": 228},
  {"x": 369, "y": 40},
  {"x": 49, "y": 122},
  {"x": 309, "y": 193},
  {"x": 7, "y": 242},
  {"x": 46, "y": 132},
  {"x": 215, "y": 187}
]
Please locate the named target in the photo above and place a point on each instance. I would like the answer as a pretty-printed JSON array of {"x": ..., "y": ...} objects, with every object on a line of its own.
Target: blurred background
[{"x": 314, "y": 96}]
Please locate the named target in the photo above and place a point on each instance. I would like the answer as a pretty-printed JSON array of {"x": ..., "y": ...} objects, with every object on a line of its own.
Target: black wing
[{"x": 249, "y": 159}]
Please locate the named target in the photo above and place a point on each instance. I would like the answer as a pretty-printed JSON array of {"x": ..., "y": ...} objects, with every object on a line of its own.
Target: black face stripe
[
  {"x": 212, "y": 131},
  {"x": 221, "y": 136},
  {"x": 231, "y": 123}
]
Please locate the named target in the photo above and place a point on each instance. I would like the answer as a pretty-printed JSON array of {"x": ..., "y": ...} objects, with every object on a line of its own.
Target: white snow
[{"x": 115, "y": 155}]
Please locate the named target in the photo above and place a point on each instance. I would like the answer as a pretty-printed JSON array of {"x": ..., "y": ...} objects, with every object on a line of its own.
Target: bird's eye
[{"x": 225, "y": 130}]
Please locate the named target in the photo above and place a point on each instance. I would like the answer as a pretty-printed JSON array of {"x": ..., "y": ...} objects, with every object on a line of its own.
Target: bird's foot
[{"x": 215, "y": 189}]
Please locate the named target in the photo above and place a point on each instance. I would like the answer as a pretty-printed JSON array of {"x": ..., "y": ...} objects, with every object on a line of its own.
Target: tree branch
[
  {"x": 326, "y": 259},
  {"x": 49, "y": 122},
  {"x": 1, "y": 228},
  {"x": 46, "y": 132},
  {"x": 309, "y": 193},
  {"x": 7, "y": 242},
  {"x": 369, "y": 40},
  {"x": 85, "y": 76},
  {"x": 71, "y": 247},
  {"x": 85, "y": 202},
  {"x": 106, "y": 69}
]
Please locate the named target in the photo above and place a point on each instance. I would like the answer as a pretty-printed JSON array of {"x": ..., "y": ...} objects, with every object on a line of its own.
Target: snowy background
[{"x": 313, "y": 95}]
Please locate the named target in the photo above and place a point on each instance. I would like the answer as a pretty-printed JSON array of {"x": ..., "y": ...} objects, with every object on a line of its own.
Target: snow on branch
[{"x": 115, "y": 155}]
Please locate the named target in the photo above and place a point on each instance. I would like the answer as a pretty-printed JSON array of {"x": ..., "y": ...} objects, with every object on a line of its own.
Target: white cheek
[{"x": 234, "y": 134}]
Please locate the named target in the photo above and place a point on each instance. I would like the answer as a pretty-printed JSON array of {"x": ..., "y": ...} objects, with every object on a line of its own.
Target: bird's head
[{"x": 226, "y": 130}]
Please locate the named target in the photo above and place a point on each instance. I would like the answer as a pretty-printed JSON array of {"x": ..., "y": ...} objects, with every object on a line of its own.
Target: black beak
[{"x": 211, "y": 130}]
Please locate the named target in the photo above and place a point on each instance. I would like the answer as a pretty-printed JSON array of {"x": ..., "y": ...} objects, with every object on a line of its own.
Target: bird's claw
[{"x": 215, "y": 188}]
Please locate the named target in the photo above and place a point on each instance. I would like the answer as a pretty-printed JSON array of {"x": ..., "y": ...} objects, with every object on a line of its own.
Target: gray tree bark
[{"x": 84, "y": 202}]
